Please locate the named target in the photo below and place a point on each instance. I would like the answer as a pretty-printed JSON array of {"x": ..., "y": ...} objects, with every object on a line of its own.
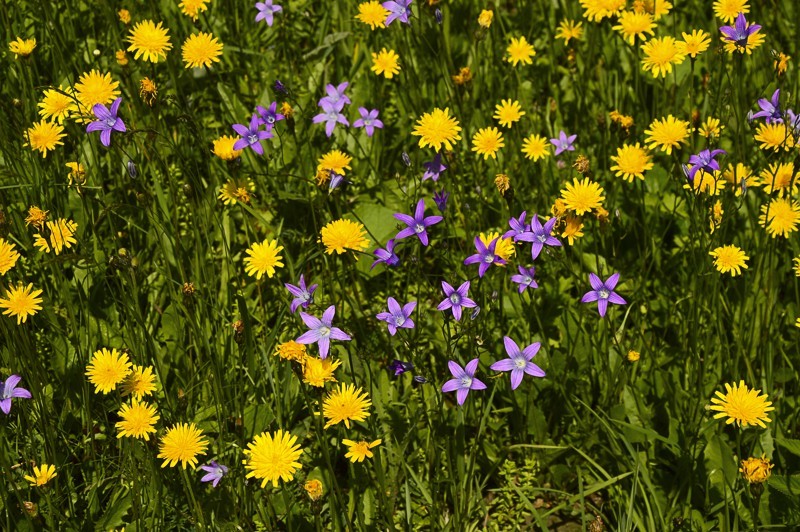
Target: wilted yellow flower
[
  {"x": 485, "y": 18},
  {"x": 22, "y": 47},
  {"x": 756, "y": 470}
]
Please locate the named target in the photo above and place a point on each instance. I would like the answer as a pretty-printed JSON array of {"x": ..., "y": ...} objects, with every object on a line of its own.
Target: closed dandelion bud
[
  {"x": 188, "y": 289},
  {"x": 695, "y": 116},
  {"x": 187, "y": 190},
  {"x": 502, "y": 183},
  {"x": 582, "y": 163},
  {"x": 553, "y": 105},
  {"x": 571, "y": 55},
  {"x": 122, "y": 58},
  {"x": 475, "y": 313},
  {"x": 419, "y": 379},
  {"x": 96, "y": 52},
  {"x": 494, "y": 295},
  {"x": 132, "y": 169},
  {"x": 313, "y": 489},
  {"x": 148, "y": 91},
  {"x": 31, "y": 508},
  {"x": 633, "y": 356},
  {"x": 238, "y": 331}
]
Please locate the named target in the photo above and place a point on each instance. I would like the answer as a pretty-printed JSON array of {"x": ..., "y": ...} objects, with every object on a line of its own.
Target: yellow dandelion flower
[
  {"x": 107, "y": 369},
  {"x": 485, "y": 18},
  {"x": 263, "y": 258},
  {"x": 93, "y": 88},
  {"x": 657, "y": 8},
  {"x": 8, "y": 256},
  {"x": 520, "y": 51},
  {"x": 21, "y": 302},
  {"x": 42, "y": 475},
  {"x": 201, "y": 49},
  {"x": 631, "y": 161},
  {"x": 345, "y": 404},
  {"x": 121, "y": 57},
  {"x": 582, "y": 196},
  {"x": 774, "y": 136},
  {"x": 124, "y": 16},
  {"x": 236, "y": 189},
  {"x": 487, "y": 142},
  {"x": 667, "y": 133},
  {"x": 44, "y": 136},
  {"x": 223, "y": 148},
  {"x": 661, "y": 54},
  {"x": 624, "y": 121},
  {"x": 335, "y": 161},
  {"x": 778, "y": 177},
  {"x": 313, "y": 487},
  {"x": 597, "y": 10},
  {"x": 728, "y": 10},
  {"x": 56, "y": 105},
  {"x": 633, "y": 24},
  {"x": 36, "y": 217},
  {"x": 140, "y": 382},
  {"x": 729, "y": 259},
  {"x": 77, "y": 173},
  {"x": 272, "y": 457},
  {"x": 502, "y": 183},
  {"x": 437, "y": 129},
  {"x": 22, "y": 47},
  {"x": 569, "y": 29},
  {"x": 149, "y": 41},
  {"x": 504, "y": 247},
  {"x": 463, "y": 77},
  {"x": 716, "y": 215},
  {"x": 340, "y": 235},
  {"x": 756, "y": 470},
  {"x": 317, "y": 371},
  {"x": 711, "y": 127},
  {"x": 507, "y": 112},
  {"x": 780, "y": 217},
  {"x": 386, "y": 63},
  {"x": 573, "y": 228},
  {"x": 137, "y": 420},
  {"x": 373, "y": 14},
  {"x": 781, "y": 63},
  {"x": 695, "y": 43},
  {"x": 535, "y": 147},
  {"x": 633, "y": 356},
  {"x": 753, "y": 41},
  {"x": 357, "y": 451},
  {"x": 193, "y": 8},
  {"x": 711, "y": 183},
  {"x": 291, "y": 350},
  {"x": 148, "y": 91},
  {"x": 182, "y": 443},
  {"x": 741, "y": 405},
  {"x": 61, "y": 233},
  {"x": 741, "y": 177}
]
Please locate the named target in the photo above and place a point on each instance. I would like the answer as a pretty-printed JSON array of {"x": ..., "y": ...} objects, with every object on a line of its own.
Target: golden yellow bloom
[
  {"x": 660, "y": 54},
  {"x": 340, "y": 235},
  {"x": 272, "y": 457},
  {"x": 582, "y": 196},
  {"x": 122, "y": 58},
  {"x": 56, "y": 105},
  {"x": 778, "y": 177},
  {"x": 711, "y": 127},
  {"x": 357, "y": 451},
  {"x": 633, "y": 356},
  {"x": 774, "y": 136},
  {"x": 667, "y": 133},
  {"x": 729, "y": 259},
  {"x": 223, "y": 148},
  {"x": 42, "y": 475},
  {"x": 507, "y": 112},
  {"x": 61, "y": 234},
  {"x": 657, "y": 8},
  {"x": 780, "y": 217},
  {"x": 148, "y": 91},
  {"x": 502, "y": 183},
  {"x": 464, "y": 76},
  {"x": 346, "y": 403},
  {"x": 236, "y": 189},
  {"x": 756, "y": 470},
  {"x": 741, "y": 405},
  {"x": 139, "y": 382},
  {"x": 93, "y": 88},
  {"x": 597, "y": 10},
  {"x": 631, "y": 161},
  {"x": 77, "y": 173},
  {"x": 711, "y": 183},
  {"x": 386, "y": 63},
  {"x": 150, "y": 41},
  {"x": 21, "y": 302},
  {"x": 569, "y": 29},
  {"x": 263, "y": 258},
  {"x": 781, "y": 63},
  {"x": 107, "y": 369},
  {"x": 716, "y": 215},
  {"x": 559, "y": 209},
  {"x": 36, "y": 217},
  {"x": 485, "y": 18},
  {"x": 182, "y": 443},
  {"x": 192, "y": 8},
  {"x": 753, "y": 41},
  {"x": 313, "y": 487},
  {"x": 291, "y": 350},
  {"x": 44, "y": 136},
  {"x": 437, "y": 129},
  {"x": 317, "y": 371},
  {"x": 487, "y": 142},
  {"x": 372, "y": 13},
  {"x": 624, "y": 121},
  {"x": 286, "y": 110},
  {"x": 573, "y": 228},
  {"x": 728, "y": 10},
  {"x": 535, "y": 147},
  {"x": 695, "y": 43},
  {"x": 741, "y": 177},
  {"x": 22, "y": 47},
  {"x": 632, "y": 24},
  {"x": 124, "y": 16},
  {"x": 335, "y": 161},
  {"x": 201, "y": 49},
  {"x": 137, "y": 420},
  {"x": 520, "y": 51},
  {"x": 8, "y": 256},
  {"x": 504, "y": 247}
]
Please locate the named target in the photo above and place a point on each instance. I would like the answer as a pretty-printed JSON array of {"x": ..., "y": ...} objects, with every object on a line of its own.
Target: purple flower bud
[
  {"x": 280, "y": 87},
  {"x": 438, "y": 15},
  {"x": 132, "y": 169},
  {"x": 399, "y": 367},
  {"x": 419, "y": 379},
  {"x": 406, "y": 159}
]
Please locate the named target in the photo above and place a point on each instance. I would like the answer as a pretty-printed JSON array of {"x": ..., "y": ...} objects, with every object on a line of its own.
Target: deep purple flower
[
  {"x": 520, "y": 231},
  {"x": 437, "y": 14},
  {"x": 770, "y": 109},
  {"x": 251, "y": 136},
  {"x": 331, "y": 116},
  {"x": 740, "y": 32},
  {"x": 563, "y": 142},
  {"x": 386, "y": 256},
  {"x": 214, "y": 473},
  {"x": 335, "y": 95},
  {"x": 278, "y": 86},
  {"x": 603, "y": 293},
  {"x": 303, "y": 296},
  {"x": 269, "y": 116},
  {"x": 107, "y": 121},
  {"x": 398, "y": 316},
  {"x": 703, "y": 161},
  {"x": 463, "y": 380},
  {"x": 434, "y": 168},
  {"x": 321, "y": 331},
  {"x": 399, "y": 367},
  {"x": 9, "y": 391},
  {"x": 518, "y": 362},
  {"x": 266, "y": 10},
  {"x": 369, "y": 120},
  {"x": 485, "y": 256},
  {"x": 542, "y": 235},
  {"x": 418, "y": 224},
  {"x": 398, "y": 10},
  {"x": 456, "y": 299},
  {"x": 440, "y": 199},
  {"x": 525, "y": 278}
]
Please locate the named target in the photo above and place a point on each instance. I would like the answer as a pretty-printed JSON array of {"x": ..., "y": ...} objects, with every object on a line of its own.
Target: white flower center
[
  {"x": 419, "y": 228},
  {"x": 520, "y": 362},
  {"x": 542, "y": 238},
  {"x": 603, "y": 293},
  {"x": 488, "y": 259},
  {"x": 111, "y": 121},
  {"x": 399, "y": 321},
  {"x": 252, "y": 139},
  {"x": 325, "y": 331},
  {"x": 455, "y": 299},
  {"x": 466, "y": 382}
]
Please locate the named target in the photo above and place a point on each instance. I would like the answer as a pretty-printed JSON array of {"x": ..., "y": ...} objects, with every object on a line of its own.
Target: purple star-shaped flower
[
  {"x": 334, "y": 95},
  {"x": 214, "y": 473},
  {"x": 266, "y": 10},
  {"x": 9, "y": 391},
  {"x": 398, "y": 10},
  {"x": 770, "y": 109},
  {"x": 740, "y": 32},
  {"x": 369, "y": 120},
  {"x": 518, "y": 362},
  {"x": 418, "y": 224},
  {"x": 434, "y": 168},
  {"x": 463, "y": 380},
  {"x": 269, "y": 115},
  {"x": 520, "y": 231},
  {"x": 456, "y": 299},
  {"x": 107, "y": 121},
  {"x": 303, "y": 296},
  {"x": 399, "y": 367},
  {"x": 440, "y": 199},
  {"x": 542, "y": 235},
  {"x": 703, "y": 161},
  {"x": 321, "y": 331},
  {"x": 251, "y": 136},
  {"x": 386, "y": 256},
  {"x": 398, "y": 316},
  {"x": 331, "y": 116},
  {"x": 563, "y": 142},
  {"x": 603, "y": 293},
  {"x": 485, "y": 256},
  {"x": 525, "y": 278}
]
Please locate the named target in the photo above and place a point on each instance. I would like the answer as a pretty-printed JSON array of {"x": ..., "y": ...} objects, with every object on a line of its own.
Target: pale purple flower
[
  {"x": 266, "y": 10},
  {"x": 542, "y": 235},
  {"x": 386, "y": 256},
  {"x": 525, "y": 278},
  {"x": 251, "y": 136},
  {"x": 518, "y": 362},
  {"x": 603, "y": 293},
  {"x": 369, "y": 120},
  {"x": 269, "y": 116},
  {"x": 107, "y": 121},
  {"x": 335, "y": 96},
  {"x": 418, "y": 224},
  {"x": 520, "y": 231},
  {"x": 705, "y": 160},
  {"x": 739, "y": 32},
  {"x": 456, "y": 299},
  {"x": 563, "y": 142},
  {"x": 398, "y": 10},
  {"x": 331, "y": 116},
  {"x": 303, "y": 295},
  {"x": 440, "y": 199},
  {"x": 485, "y": 256},
  {"x": 463, "y": 380},
  {"x": 398, "y": 317},
  {"x": 793, "y": 121},
  {"x": 335, "y": 181},
  {"x": 321, "y": 331},
  {"x": 770, "y": 109},
  {"x": 9, "y": 391},
  {"x": 214, "y": 473},
  {"x": 434, "y": 168}
]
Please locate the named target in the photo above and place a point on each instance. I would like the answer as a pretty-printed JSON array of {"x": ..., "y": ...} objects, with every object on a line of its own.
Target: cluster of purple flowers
[
  {"x": 252, "y": 134},
  {"x": 772, "y": 112},
  {"x": 398, "y": 10},
  {"x": 332, "y": 105},
  {"x": 416, "y": 225}
]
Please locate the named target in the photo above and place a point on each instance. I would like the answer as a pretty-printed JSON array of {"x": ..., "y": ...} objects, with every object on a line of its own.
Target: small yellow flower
[
  {"x": 573, "y": 228},
  {"x": 463, "y": 77},
  {"x": 661, "y": 54},
  {"x": 520, "y": 51},
  {"x": 57, "y": 105},
  {"x": 485, "y": 18},
  {"x": 742, "y": 405},
  {"x": 340, "y": 235},
  {"x": 137, "y": 420},
  {"x": 201, "y": 49},
  {"x": 632, "y": 24},
  {"x": 582, "y": 196},
  {"x": 36, "y": 217},
  {"x": 21, "y": 302},
  {"x": 223, "y": 148},
  {"x": 345, "y": 404},
  {"x": 753, "y": 41},
  {"x": 44, "y": 136},
  {"x": 8, "y": 256},
  {"x": 667, "y": 133},
  {"x": 372, "y": 13},
  {"x": 193, "y": 8},
  {"x": 775, "y": 136},
  {"x": 335, "y": 161},
  {"x": 437, "y": 129},
  {"x": 782, "y": 63},
  {"x": 291, "y": 350},
  {"x": 502, "y": 183},
  {"x": 42, "y": 475},
  {"x": 624, "y": 121},
  {"x": 569, "y": 29},
  {"x": 741, "y": 177},
  {"x": 22, "y": 47},
  {"x": 633, "y": 356},
  {"x": 507, "y": 112},
  {"x": 107, "y": 369},
  {"x": 597, "y": 10},
  {"x": 780, "y": 217},
  {"x": 182, "y": 443},
  {"x": 357, "y": 451},
  {"x": 124, "y": 16},
  {"x": 728, "y": 10},
  {"x": 122, "y": 58},
  {"x": 386, "y": 63},
  {"x": 318, "y": 371},
  {"x": 779, "y": 177},
  {"x": 61, "y": 234},
  {"x": 695, "y": 43},
  {"x": 93, "y": 88},
  {"x": 535, "y": 147},
  {"x": 504, "y": 247},
  {"x": 263, "y": 258},
  {"x": 313, "y": 487},
  {"x": 711, "y": 183},
  {"x": 139, "y": 382},
  {"x": 236, "y": 189},
  {"x": 729, "y": 259},
  {"x": 756, "y": 470},
  {"x": 711, "y": 127},
  {"x": 487, "y": 142},
  {"x": 149, "y": 41},
  {"x": 631, "y": 161},
  {"x": 272, "y": 457}
]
